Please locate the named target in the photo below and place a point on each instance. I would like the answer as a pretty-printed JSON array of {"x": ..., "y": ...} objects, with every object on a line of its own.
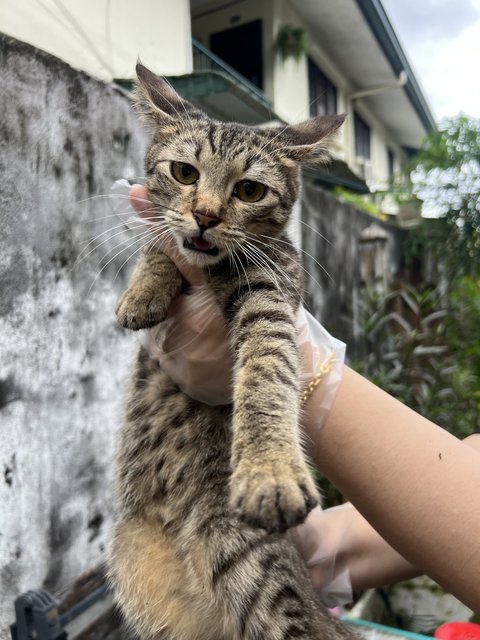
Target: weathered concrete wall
[
  {"x": 64, "y": 137},
  {"x": 331, "y": 244}
]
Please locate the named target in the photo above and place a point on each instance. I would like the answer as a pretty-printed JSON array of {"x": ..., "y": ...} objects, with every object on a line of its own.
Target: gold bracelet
[{"x": 326, "y": 367}]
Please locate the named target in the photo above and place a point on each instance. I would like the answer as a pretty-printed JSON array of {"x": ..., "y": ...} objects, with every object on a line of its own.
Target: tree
[
  {"x": 421, "y": 344},
  {"x": 445, "y": 175}
]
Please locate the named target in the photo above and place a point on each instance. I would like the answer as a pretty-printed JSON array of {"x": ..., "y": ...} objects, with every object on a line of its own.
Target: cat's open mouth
[{"x": 199, "y": 244}]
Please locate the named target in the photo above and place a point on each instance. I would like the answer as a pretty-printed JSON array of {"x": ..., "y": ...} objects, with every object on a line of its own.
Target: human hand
[{"x": 324, "y": 541}]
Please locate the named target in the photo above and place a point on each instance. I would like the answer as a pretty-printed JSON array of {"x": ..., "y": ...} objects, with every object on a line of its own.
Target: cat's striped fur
[{"x": 206, "y": 494}]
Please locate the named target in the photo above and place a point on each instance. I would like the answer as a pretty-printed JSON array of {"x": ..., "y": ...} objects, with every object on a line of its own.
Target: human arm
[
  {"x": 415, "y": 483},
  {"x": 340, "y": 540}
]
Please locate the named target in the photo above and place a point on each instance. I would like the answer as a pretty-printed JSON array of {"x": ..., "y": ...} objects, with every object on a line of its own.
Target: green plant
[
  {"x": 445, "y": 175},
  {"x": 291, "y": 42},
  {"x": 362, "y": 202},
  {"x": 413, "y": 346}
]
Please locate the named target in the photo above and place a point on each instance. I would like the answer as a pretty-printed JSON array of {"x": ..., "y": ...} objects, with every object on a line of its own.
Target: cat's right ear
[{"x": 155, "y": 100}]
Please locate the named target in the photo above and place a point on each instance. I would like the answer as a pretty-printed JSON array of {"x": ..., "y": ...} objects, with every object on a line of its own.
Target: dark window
[
  {"x": 391, "y": 164},
  {"x": 241, "y": 48},
  {"x": 362, "y": 137},
  {"x": 323, "y": 94}
]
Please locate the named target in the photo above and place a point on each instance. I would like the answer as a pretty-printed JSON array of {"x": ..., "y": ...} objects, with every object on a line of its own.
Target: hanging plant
[{"x": 291, "y": 42}]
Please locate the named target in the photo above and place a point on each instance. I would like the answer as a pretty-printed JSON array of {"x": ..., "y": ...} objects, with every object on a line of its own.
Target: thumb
[{"x": 140, "y": 201}]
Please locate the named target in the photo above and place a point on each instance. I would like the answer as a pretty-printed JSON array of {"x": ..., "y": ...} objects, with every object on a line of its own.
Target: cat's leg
[
  {"x": 271, "y": 485},
  {"x": 159, "y": 598},
  {"x": 155, "y": 282}
]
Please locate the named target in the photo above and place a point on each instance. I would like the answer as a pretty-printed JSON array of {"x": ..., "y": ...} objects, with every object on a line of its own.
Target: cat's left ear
[{"x": 306, "y": 142}]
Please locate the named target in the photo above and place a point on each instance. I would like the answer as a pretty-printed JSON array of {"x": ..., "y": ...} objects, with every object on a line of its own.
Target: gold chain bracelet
[{"x": 326, "y": 367}]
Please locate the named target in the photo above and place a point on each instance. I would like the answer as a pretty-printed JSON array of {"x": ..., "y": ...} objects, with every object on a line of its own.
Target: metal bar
[{"x": 83, "y": 605}]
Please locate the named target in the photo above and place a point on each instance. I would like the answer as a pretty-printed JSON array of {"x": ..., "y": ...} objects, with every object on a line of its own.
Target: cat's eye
[
  {"x": 249, "y": 190},
  {"x": 184, "y": 173}
]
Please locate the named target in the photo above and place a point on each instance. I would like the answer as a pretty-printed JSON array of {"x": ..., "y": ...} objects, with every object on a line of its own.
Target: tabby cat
[{"x": 206, "y": 493}]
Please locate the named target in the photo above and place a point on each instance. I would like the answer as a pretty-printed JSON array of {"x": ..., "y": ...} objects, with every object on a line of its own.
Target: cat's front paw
[
  {"x": 140, "y": 310},
  {"x": 274, "y": 496}
]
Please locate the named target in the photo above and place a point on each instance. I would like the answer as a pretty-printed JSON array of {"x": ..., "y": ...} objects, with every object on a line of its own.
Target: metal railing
[{"x": 205, "y": 60}]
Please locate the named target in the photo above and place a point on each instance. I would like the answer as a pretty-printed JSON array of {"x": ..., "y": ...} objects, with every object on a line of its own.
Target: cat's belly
[{"x": 156, "y": 590}]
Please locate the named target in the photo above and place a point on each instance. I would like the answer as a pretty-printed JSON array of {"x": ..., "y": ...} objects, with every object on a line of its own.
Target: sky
[{"x": 442, "y": 41}]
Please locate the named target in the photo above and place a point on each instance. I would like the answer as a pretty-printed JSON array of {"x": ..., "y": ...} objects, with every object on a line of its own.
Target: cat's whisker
[
  {"x": 309, "y": 255},
  {"x": 129, "y": 257},
  {"x": 132, "y": 243},
  {"x": 266, "y": 258},
  {"x": 233, "y": 260},
  {"x": 284, "y": 254},
  {"x": 309, "y": 226},
  {"x": 126, "y": 260},
  {"x": 123, "y": 196},
  {"x": 243, "y": 268},
  {"x": 260, "y": 259},
  {"x": 110, "y": 196},
  {"x": 82, "y": 256},
  {"x": 123, "y": 225}
]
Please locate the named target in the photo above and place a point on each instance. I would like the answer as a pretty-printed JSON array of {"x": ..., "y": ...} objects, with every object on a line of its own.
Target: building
[{"x": 225, "y": 57}]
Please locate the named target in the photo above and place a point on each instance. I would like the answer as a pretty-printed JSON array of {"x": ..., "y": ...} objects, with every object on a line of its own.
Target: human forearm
[
  {"x": 371, "y": 561},
  {"x": 415, "y": 483},
  {"x": 473, "y": 441}
]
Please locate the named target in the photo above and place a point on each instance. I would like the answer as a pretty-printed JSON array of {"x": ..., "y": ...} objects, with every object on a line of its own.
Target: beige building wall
[
  {"x": 376, "y": 171},
  {"x": 286, "y": 83},
  {"x": 105, "y": 38}
]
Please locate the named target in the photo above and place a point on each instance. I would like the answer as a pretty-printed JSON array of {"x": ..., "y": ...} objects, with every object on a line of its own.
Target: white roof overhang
[{"x": 360, "y": 41}]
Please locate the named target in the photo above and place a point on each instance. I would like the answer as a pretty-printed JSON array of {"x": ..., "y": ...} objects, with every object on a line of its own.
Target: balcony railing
[{"x": 205, "y": 60}]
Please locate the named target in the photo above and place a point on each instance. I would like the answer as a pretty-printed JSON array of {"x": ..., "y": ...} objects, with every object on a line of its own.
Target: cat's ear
[
  {"x": 306, "y": 142},
  {"x": 156, "y": 100}
]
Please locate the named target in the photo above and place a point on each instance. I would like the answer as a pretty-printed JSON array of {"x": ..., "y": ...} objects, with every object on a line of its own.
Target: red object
[{"x": 458, "y": 631}]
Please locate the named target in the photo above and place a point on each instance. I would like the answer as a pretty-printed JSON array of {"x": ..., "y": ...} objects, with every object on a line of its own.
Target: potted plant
[{"x": 291, "y": 42}]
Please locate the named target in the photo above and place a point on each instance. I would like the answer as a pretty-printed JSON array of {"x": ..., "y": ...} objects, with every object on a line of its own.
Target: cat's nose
[{"x": 206, "y": 219}]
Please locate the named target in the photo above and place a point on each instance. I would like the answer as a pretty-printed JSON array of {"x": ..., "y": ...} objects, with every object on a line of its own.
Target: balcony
[{"x": 221, "y": 91}]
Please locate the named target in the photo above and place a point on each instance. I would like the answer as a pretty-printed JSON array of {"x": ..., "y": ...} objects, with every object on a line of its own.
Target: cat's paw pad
[
  {"x": 140, "y": 311},
  {"x": 272, "y": 497}
]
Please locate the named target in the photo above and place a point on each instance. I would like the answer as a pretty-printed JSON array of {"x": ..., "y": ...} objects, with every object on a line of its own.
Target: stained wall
[{"x": 64, "y": 138}]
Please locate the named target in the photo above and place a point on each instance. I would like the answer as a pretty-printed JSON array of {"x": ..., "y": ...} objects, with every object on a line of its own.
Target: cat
[{"x": 206, "y": 494}]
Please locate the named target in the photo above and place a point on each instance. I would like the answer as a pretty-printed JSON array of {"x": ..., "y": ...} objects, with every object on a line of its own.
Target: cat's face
[{"x": 221, "y": 187}]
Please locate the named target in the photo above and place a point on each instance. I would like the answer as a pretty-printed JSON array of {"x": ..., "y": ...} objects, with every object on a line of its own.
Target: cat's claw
[
  {"x": 272, "y": 499},
  {"x": 136, "y": 311}
]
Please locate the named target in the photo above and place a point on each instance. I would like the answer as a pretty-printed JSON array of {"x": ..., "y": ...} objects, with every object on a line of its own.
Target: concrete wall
[
  {"x": 64, "y": 137},
  {"x": 332, "y": 256}
]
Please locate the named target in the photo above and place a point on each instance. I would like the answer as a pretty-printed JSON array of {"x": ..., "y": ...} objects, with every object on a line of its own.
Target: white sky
[{"x": 442, "y": 41}]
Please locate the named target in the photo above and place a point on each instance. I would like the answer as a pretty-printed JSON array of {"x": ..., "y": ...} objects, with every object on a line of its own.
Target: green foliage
[
  {"x": 445, "y": 174},
  {"x": 291, "y": 42},
  {"x": 362, "y": 202},
  {"x": 420, "y": 346}
]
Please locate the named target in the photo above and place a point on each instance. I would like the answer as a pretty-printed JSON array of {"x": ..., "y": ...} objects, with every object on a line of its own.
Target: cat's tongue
[{"x": 201, "y": 244}]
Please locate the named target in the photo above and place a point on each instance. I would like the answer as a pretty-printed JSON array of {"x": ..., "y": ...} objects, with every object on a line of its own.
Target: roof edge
[{"x": 378, "y": 21}]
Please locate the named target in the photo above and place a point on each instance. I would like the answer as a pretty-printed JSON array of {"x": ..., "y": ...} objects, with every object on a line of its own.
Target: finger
[
  {"x": 139, "y": 199},
  {"x": 143, "y": 206}
]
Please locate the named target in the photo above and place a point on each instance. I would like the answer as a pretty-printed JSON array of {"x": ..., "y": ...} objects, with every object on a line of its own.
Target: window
[
  {"x": 391, "y": 164},
  {"x": 323, "y": 94},
  {"x": 241, "y": 48},
  {"x": 362, "y": 137}
]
